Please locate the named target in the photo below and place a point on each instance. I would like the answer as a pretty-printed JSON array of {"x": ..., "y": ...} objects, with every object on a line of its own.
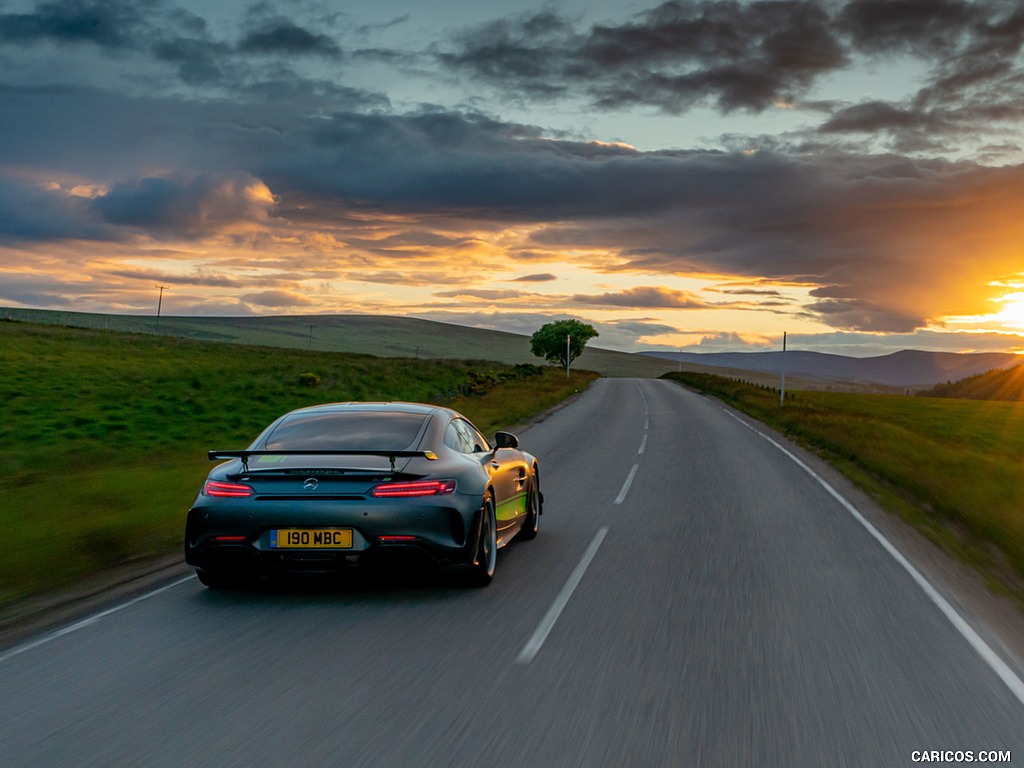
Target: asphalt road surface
[{"x": 695, "y": 598}]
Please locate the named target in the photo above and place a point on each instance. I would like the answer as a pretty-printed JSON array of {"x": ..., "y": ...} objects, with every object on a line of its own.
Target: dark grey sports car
[{"x": 346, "y": 484}]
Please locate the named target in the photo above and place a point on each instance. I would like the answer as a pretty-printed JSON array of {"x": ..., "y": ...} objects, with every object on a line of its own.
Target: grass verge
[
  {"x": 951, "y": 468},
  {"x": 105, "y": 434}
]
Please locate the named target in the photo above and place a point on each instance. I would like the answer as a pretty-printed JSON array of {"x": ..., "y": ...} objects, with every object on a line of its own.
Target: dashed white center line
[
  {"x": 625, "y": 486},
  {"x": 643, "y": 444},
  {"x": 534, "y": 644}
]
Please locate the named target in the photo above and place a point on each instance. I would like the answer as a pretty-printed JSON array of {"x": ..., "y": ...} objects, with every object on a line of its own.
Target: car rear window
[{"x": 365, "y": 431}]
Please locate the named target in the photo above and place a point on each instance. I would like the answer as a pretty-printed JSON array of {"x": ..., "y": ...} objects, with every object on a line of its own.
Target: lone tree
[{"x": 553, "y": 341}]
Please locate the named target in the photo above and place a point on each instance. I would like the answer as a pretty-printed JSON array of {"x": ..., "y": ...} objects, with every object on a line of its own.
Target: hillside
[
  {"x": 909, "y": 369},
  {"x": 386, "y": 336},
  {"x": 378, "y": 335},
  {"x": 994, "y": 385}
]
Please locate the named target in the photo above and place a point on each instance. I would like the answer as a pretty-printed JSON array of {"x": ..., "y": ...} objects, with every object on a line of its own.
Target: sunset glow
[{"x": 402, "y": 160}]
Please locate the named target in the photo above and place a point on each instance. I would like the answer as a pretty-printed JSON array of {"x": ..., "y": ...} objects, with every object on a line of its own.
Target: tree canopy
[{"x": 549, "y": 341}]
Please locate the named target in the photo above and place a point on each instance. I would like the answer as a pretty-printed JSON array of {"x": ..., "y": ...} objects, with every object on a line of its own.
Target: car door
[{"x": 507, "y": 472}]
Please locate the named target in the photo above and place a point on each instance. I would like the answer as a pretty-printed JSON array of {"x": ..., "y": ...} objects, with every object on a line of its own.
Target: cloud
[
  {"x": 277, "y": 299},
  {"x": 881, "y": 237},
  {"x": 147, "y": 48},
  {"x": 646, "y": 296},
  {"x": 684, "y": 55},
  {"x": 36, "y": 212},
  {"x": 282, "y": 36},
  {"x": 186, "y": 207},
  {"x": 109, "y": 24},
  {"x": 676, "y": 56},
  {"x": 232, "y": 135},
  {"x": 488, "y": 295},
  {"x": 923, "y": 27},
  {"x": 196, "y": 279}
]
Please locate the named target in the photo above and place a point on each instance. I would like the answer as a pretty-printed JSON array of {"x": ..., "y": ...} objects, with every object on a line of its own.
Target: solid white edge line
[
  {"x": 983, "y": 649},
  {"x": 625, "y": 486},
  {"x": 87, "y": 621},
  {"x": 535, "y": 642}
]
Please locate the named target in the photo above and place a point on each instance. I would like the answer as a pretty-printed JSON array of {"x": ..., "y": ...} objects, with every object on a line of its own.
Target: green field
[
  {"x": 953, "y": 468},
  {"x": 105, "y": 433}
]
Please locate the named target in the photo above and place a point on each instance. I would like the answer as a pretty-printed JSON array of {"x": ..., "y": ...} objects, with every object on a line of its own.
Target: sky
[{"x": 697, "y": 176}]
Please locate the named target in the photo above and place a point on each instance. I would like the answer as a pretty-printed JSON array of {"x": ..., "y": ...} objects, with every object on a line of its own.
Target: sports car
[{"x": 359, "y": 484}]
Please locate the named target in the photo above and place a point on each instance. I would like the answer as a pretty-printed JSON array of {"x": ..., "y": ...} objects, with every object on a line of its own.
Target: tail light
[
  {"x": 227, "y": 490},
  {"x": 418, "y": 488}
]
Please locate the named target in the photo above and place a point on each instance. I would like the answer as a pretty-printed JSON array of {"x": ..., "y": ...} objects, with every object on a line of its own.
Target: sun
[{"x": 1012, "y": 313}]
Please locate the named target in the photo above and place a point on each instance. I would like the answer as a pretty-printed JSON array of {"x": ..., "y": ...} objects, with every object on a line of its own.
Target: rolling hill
[
  {"x": 387, "y": 336},
  {"x": 379, "y": 335}
]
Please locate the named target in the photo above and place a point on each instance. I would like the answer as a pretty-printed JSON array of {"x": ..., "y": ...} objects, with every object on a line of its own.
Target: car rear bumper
[{"x": 222, "y": 540}]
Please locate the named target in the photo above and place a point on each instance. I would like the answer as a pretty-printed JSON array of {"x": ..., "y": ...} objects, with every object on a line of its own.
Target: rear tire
[
  {"x": 531, "y": 525},
  {"x": 481, "y": 572}
]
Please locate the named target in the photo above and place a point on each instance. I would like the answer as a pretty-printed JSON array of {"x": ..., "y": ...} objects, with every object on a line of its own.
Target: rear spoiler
[{"x": 391, "y": 455}]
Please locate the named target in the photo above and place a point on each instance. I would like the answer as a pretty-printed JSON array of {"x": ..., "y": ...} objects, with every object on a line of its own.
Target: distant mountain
[{"x": 908, "y": 368}]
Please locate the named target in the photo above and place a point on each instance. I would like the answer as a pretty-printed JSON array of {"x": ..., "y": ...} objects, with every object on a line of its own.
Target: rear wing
[{"x": 391, "y": 455}]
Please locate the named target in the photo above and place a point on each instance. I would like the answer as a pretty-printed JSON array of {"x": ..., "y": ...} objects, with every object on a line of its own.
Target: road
[{"x": 695, "y": 598}]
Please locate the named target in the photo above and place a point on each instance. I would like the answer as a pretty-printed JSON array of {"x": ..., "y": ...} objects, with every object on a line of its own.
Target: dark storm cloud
[
  {"x": 191, "y": 207},
  {"x": 285, "y": 37},
  {"x": 676, "y": 56},
  {"x": 751, "y": 57},
  {"x": 111, "y": 24},
  {"x": 35, "y": 213},
  {"x": 162, "y": 42},
  {"x": 924, "y": 27}
]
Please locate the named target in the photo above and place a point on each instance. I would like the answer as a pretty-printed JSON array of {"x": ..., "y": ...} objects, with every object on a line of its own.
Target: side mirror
[{"x": 505, "y": 440}]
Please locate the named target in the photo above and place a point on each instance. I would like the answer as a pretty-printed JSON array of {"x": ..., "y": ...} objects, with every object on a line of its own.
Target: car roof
[{"x": 385, "y": 407}]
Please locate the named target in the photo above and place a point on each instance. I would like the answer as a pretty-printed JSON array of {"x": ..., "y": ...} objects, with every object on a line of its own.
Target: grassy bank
[
  {"x": 952, "y": 468},
  {"x": 104, "y": 435}
]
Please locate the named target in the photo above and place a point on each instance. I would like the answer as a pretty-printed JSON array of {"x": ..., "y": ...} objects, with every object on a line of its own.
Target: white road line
[
  {"x": 647, "y": 424},
  {"x": 642, "y": 397},
  {"x": 643, "y": 444},
  {"x": 625, "y": 486},
  {"x": 983, "y": 649},
  {"x": 534, "y": 644},
  {"x": 88, "y": 621}
]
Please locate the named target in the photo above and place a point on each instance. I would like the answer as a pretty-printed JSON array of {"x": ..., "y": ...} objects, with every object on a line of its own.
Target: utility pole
[
  {"x": 159, "y": 306},
  {"x": 567, "y": 353},
  {"x": 782, "y": 392},
  {"x": 311, "y": 327}
]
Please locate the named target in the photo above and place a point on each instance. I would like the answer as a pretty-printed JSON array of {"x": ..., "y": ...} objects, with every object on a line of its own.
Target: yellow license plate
[{"x": 311, "y": 538}]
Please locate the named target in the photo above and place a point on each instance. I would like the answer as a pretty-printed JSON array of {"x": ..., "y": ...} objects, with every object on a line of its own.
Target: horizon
[
  {"x": 60, "y": 317},
  {"x": 684, "y": 176}
]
